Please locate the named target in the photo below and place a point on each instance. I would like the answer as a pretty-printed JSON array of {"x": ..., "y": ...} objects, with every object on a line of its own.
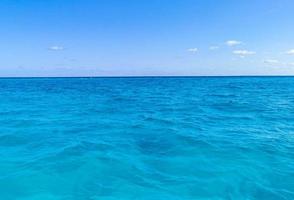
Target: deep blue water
[{"x": 147, "y": 138}]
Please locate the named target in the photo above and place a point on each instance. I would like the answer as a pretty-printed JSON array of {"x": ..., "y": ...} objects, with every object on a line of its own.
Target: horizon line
[{"x": 148, "y": 76}]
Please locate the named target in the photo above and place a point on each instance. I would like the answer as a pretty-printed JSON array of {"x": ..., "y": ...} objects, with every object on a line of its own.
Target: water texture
[{"x": 147, "y": 138}]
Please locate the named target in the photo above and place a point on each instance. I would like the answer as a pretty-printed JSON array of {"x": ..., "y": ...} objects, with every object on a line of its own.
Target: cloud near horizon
[
  {"x": 271, "y": 61},
  {"x": 193, "y": 50},
  {"x": 232, "y": 43},
  {"x": 290, "y": 52},
  {"x": 213, "y": 47},
  {"x": 243, "y": 53},
  {"x": 56, "y": 48},
  {"x": 277, "y": 62}
]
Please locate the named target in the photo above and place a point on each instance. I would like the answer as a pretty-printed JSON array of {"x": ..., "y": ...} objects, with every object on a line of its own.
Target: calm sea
[{"x": 147, "y": 138}]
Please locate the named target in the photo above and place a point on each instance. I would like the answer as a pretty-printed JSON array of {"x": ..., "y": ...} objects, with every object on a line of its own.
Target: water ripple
[{"x": 147, "y": 138}]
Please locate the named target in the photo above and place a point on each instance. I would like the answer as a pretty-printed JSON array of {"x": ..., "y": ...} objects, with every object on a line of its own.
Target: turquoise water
[{"x": 147, "y": 138}]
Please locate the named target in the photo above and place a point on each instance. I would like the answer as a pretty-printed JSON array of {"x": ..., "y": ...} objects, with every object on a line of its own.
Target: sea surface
[{"x": 152, "y": 138}]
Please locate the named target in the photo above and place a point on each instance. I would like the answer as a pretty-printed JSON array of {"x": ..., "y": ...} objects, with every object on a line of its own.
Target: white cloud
[
  {"x": 193, "y": 50},
  {"x": 277, "y": 62},
  {"x": 213, "y": 47},
  {"x": 243, "y": 53},
  {"x": 290, "y": 52},
  {"x": 56, "y": 48},
  {"x": 271, "y": 61},
  {"x": 233, "y": 43}
]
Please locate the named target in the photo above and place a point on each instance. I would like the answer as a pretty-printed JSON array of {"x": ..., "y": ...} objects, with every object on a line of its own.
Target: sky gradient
[{"x": 146, "y": 37}]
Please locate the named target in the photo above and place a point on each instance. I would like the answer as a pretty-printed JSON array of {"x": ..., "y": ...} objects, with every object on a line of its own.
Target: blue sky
[{"x": 146, "y": 37}]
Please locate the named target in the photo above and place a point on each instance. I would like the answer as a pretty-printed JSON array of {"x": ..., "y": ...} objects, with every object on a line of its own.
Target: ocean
[{"x": 149, "y": 138}]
